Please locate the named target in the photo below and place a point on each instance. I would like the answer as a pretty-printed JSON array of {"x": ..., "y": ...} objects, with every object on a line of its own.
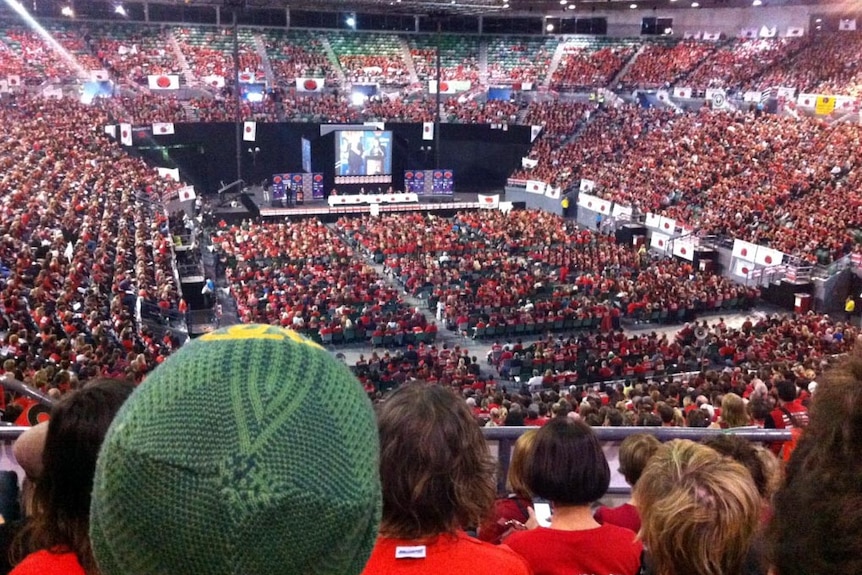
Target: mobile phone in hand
[{"x": 542, "y": 508}]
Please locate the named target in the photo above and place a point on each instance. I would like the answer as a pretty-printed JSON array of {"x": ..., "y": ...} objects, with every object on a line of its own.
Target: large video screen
[{"x": 365, "y": 153}]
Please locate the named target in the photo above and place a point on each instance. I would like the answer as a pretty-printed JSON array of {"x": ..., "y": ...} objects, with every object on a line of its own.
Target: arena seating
[
  {"x": 132, "y": 51},
  {"x": 660, "y": 64},
  {"x": 459, "y": 57},
  {"x": 740, "y": 62},
  {"x": 210, "y": 52},
  {"x": 591, "y": 63},
  {"x": 370, "y": 58},
  {"x": 297, "y": 54},
  {"x": 518, "y": 59}
]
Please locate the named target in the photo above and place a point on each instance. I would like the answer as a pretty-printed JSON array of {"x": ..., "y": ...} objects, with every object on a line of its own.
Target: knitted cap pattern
[{"x": 250, "y": 451}]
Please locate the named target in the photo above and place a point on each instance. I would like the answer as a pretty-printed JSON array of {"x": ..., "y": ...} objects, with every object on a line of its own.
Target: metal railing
[{"x": 502, "y": 440}]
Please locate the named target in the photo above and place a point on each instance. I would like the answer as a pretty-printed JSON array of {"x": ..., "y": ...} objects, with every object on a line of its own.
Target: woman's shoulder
[{"x": 48, "y": 563}]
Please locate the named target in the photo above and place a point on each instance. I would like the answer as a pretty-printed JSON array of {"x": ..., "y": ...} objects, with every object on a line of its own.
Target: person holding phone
[{"x": 569, "y": 469}]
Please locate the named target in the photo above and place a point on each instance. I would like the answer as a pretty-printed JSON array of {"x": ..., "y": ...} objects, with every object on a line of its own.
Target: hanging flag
[
  {"x": 126, "y": 134},
  {"x": 13, "y": 80},
  {"x": 449, "y": 86},
  {"x": 659, "y": 241},
  {"x": 744, "y": 250},
  {"x": 428, "y": 130},
  {"x": 622, "y": 212},
  {"x": 711, "y": 36},
  {"x": 653, "y": 221},
  {"x": 187, "y": 193},
  {"x": 310, "y": 84},
  {"x": 768, "y": 256},
  {"x": 214, "y": 81},
  {"x": 717, "y": 97},
  {"x": 99, "y": 75},
  {"x": 69, "y": 252},
  {"x": 795, "y": 32},
  {"x": 163, "y": 128},
  {"x": 683, "y": 249},
  {"x": 847, "y": 24},
  {"x": 667, "y": 225},
  {"x": 748, "y": 33},
  {"x": 534, "y": 133},
  {"x": 529, "y": 163},
  {"x": 249, "y": 131},
  {"x": 742, "y": 268},
  {"x": 169, "y": 173},
  {"x": 553, "y": 192},
  {"x": 247, "y": 77},
  {"x": 111, "y": 130},
  {"x": 824, "y": 105},
  {"x": 587, "y": 185},
  {"x": 4, "y": 86},
  {"x": 536, "y": 187},
  {"x": 489, "y": 202},
  {"x": 163, "y": 81},
  {"x": 680, "y": 92}
]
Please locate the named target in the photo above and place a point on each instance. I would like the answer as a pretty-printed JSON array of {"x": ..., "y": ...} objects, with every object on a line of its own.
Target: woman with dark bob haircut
[
  {"x": 56, "y": 537},
  {"x": 569, "y": 469},
  {"x": 437, "y": 477}
]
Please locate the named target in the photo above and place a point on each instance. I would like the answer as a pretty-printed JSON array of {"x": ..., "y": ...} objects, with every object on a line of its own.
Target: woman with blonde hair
[
  {"x": 733, "y": 412},
  {"x": 699, "y": 511},
  {"x": 512, "y": 511}
]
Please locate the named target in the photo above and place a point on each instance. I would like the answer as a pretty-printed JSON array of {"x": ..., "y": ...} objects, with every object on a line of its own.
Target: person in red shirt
[
  {"x": 444, "y": 484},
  {"x": 635, "y": 451},
  {"x": 569, "y": 469},
  {"x": 790, "y": 413}
]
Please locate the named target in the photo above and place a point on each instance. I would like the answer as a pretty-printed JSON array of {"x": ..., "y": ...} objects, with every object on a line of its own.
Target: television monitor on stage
[{"x": 363, "y": 156}]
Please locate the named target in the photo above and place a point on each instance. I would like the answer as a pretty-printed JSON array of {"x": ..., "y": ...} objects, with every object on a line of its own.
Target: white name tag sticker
[{"x": 412, "y": 552}]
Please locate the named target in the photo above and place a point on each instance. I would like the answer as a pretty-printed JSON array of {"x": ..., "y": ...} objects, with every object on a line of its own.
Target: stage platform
[{"x": 236, "y": 207}]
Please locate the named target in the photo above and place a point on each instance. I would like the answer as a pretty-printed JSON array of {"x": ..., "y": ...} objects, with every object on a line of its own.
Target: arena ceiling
[{"x": 445, "y": 8}]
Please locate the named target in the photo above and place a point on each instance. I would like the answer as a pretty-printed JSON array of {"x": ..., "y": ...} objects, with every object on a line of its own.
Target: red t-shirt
[
  {"x": 626, "y": 516},
  {"x": 47, "y": 563},
  {"x": 442, "y": 554},
  {"x": 605, "y": 550}
]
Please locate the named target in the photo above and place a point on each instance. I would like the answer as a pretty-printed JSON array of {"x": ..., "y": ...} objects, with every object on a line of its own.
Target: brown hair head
[
  {"x": 516, "y": 479},
  {"x": 699, "y": 510},
  {"x": 435, "y": 468},
  {"x": 635, "y": 452}
]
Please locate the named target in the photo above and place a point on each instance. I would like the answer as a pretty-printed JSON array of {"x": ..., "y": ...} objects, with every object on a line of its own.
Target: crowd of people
[
  {"x": 584, "y": 68},
  {"x": 660, "y": 65},
  {"x": 81, "y": 244},
  {"x": 739, "y": 174}
]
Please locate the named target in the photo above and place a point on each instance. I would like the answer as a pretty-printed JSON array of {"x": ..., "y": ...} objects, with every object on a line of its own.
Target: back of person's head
[
  {"x": 817, "y": 523},
  {"x": 568, "y": 466},
  {"x": 61, "y": 498},
  {"x": 435, "y": 468},
  {"x": 635, "y": 451},
  {"x": 249, "y": 450},
  {"x": 733, "y": 411},
  {"x": 742, "y": 451},
  {"x": 516, "y": 478},
  {"x": 786, "y": 390},
  {"x": 699, "y": 510}
]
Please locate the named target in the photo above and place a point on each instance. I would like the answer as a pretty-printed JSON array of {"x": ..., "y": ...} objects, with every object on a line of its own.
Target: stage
[{"x": 254, "y": 202}]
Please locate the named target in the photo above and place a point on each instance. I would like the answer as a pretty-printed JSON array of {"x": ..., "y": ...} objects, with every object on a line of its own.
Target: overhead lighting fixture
[
  {"x": 564, "y": 2},
  {"x": 571, "y": 7},
  {"x": 757, "y": 3},
  {"x": 633, "y": 6},
  {"x": 819, "y": 20},
  {"x": 695, "y": 4},
  {"x": 506, "y": 5},
  {"x": 351, "y": 22},
  {"x": 67, "y": 11},
  {"x": 120, "y": 9},
  {"x": 549, "y": 28}
]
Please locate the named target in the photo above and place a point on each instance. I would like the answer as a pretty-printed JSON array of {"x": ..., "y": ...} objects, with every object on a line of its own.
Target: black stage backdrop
[{"x": 481, "y": 158}]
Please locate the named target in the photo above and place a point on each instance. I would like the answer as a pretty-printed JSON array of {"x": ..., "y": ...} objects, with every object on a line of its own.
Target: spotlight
[
  {"x": 549, "y": 28},
  {"x": 67, "y": 11},
  {"x": 120, "y": 9},
  {"x": 757, "y": 3},
  {"x": 351, "y": 22}
]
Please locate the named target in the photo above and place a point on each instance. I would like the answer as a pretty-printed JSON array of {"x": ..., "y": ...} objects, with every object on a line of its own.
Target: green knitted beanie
[{"x": 250, "y": 451}]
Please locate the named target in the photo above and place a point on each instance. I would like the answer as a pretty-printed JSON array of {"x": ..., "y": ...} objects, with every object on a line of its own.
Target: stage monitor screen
[{"x": 363, "y": 156}]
